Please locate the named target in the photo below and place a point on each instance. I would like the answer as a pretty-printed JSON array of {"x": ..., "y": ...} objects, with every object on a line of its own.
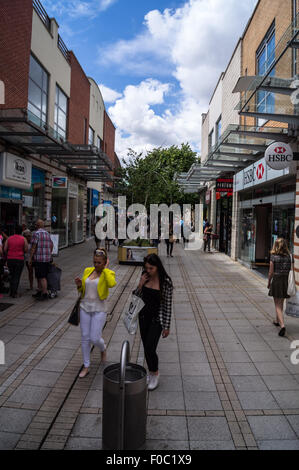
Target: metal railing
[
  {"x": 62, "y": 47},
  {"x": 42, "y": 13}
]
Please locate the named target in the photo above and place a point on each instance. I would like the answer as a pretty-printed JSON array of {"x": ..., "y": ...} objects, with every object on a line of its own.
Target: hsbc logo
[
  {"x": 260, "y": 171},
  {"x": 280, "y": 150}
]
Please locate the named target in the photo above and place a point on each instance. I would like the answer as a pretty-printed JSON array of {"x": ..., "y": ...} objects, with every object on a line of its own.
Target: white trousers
[{"x": 92, "y": 324}]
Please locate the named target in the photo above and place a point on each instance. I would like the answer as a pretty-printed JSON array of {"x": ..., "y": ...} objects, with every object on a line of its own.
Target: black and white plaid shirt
[{"x": 165, "y": 309}]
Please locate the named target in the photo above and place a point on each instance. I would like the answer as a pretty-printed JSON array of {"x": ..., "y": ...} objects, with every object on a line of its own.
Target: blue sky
[{"x": 156, "y": 61}]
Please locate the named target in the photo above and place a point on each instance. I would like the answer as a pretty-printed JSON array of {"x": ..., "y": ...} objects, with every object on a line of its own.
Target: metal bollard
[{"x": 124, "y": 404}]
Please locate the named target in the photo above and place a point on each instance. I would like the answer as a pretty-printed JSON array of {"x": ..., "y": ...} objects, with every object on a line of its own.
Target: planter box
[{"x": 134, "y": 254}]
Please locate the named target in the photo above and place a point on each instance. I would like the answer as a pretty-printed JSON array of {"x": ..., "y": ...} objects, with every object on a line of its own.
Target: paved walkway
[{"x": 226, "y": 377}]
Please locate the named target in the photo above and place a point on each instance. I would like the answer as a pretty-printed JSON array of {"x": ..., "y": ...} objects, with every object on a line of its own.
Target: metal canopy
[{"x": 27, "y": 133}]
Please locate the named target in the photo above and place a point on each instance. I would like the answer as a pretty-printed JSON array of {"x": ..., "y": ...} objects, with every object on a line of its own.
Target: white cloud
[
  {"x": 75, "y": 9},
  {"x": 191, "y": 44},
  {"x": 109, "y": 95}
]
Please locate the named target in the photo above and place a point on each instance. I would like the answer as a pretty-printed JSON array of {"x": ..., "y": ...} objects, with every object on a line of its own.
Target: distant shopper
[
  {"x": 280, "y": 265},
  {"x": 207, "y": 236},
  {"x": 28, "y": 235},
  {"x": 94, "y": 288},
  {"x": 41, "y": 255},
  {"x": 170, "y": 243},
  {"x": 15, "y": 248},
  {"x": 155, "y": 288}
]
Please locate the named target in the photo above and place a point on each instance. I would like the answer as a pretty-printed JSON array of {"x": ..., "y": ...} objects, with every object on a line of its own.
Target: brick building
[
  {"x": 251, "y": 108},
  {"x": 50, "y": 161}
]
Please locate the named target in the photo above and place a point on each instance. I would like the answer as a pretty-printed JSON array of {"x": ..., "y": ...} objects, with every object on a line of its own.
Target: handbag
[
  {"x": 291, "y": 282},
  {"x": 74, "y": 318},
  {"x": 130, "y": 315},
  {"x": 292, "y": 306}
]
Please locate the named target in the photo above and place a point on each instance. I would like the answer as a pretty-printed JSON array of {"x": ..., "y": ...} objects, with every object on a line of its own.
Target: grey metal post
[{"x": 124, "y": 359}]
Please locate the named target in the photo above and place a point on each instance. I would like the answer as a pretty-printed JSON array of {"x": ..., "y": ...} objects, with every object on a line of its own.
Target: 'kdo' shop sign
[{"x": 279, "y": 155}]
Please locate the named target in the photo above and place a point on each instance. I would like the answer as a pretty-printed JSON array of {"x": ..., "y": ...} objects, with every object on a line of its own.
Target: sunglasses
[{"x": 99, "y": 252}]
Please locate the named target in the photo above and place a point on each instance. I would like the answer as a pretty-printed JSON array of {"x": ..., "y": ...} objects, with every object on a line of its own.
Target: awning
[{"x": 25, "y": 132}]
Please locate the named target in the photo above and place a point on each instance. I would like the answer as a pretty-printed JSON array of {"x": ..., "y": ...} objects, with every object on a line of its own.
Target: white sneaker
[
  {"x": 154, "y": 382},
  {"x": 148, "y": 378}
]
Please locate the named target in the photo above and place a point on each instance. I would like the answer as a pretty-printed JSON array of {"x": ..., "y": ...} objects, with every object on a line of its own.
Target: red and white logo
[
  {"x": 260, "y": 171},
  {"x": 280, "y": 150}
]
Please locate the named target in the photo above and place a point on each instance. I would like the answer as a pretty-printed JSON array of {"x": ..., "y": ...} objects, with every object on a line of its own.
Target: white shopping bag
[
  {"x": 131, "y": 313},
  {"x": 292, "y": 306}
]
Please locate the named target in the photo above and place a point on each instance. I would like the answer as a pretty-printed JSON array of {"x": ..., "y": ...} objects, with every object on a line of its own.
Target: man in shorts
[{"x": 40, "y": 256}]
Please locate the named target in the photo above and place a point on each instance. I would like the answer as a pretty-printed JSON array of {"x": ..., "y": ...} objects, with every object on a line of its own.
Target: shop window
[
  {"x": 60, "y": 117},
  {"x": 211, "y": 140},
  {"x": 218, "y": 130},
  {"x": 80, "y": 215},
  {"x": 34, "y": 199},
  {"x": 59, "y": 215},
  {"x": 38, "y": 91},
  {"x": 90, "y": 136},
  {"x": 247, "y": 239}
]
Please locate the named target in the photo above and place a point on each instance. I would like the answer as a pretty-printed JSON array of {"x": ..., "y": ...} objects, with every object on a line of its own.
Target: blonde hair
[
  {"x": 101, "y": 252},
  {"x": 280, "y": 247}
]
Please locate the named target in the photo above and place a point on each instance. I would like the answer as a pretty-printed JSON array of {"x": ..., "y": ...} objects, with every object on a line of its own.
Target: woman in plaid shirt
[{"x": 155, "y": 316}]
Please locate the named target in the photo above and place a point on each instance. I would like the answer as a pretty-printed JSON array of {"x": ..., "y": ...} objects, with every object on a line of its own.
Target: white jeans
[{"x": 92, "y": 324}]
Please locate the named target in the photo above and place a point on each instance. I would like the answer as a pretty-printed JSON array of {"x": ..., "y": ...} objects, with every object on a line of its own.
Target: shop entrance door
[
  {"x": 263, "y": 215},
  {"x": 9, "y": 216}
]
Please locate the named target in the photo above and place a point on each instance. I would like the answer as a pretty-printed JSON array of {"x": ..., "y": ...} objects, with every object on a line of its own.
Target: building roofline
[
  {"x": 250, "y": 19},
  {"x": 221, "y": 75}
]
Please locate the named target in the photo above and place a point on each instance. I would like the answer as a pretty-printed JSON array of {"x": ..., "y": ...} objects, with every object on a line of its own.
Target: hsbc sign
[
  {"x": 279, "y": 155},
  {"x": 260, "y": 171}
]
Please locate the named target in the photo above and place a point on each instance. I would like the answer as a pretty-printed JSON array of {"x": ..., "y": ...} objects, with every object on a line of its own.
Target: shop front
[
  {"x": 67, "y": 219},
  {"x": 93, "y": 200},
  {"x": 223, "y": 229},
  {"x": 34, "y": 199},
  {"x": 266, "y": 211}
]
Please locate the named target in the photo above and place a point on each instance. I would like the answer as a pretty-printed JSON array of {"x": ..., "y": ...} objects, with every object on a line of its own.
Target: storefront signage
[
  {"x": 257, "y": 173},
  {"x": 95, "y": 198},
  {"x": 224, "y": 185},
  {"x": 279, "y": 155},
  {"x": 15, "y": 171},
  {"x": 59, "y": 182}
]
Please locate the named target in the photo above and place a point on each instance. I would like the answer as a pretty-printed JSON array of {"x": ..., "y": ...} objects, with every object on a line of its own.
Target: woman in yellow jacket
[{"x": 94, "y": 288}]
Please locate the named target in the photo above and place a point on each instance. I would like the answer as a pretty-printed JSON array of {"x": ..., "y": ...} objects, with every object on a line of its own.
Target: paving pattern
[{"x": 226, "y": 377}]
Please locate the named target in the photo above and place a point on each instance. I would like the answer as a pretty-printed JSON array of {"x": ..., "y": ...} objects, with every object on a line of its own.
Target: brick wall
[
  {"x": 109, "y": 140},
  {"x": 78, "y": 103},
  {"x": 15, "y": 43}
]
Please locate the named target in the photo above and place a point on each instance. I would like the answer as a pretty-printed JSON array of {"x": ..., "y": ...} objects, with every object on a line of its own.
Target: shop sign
[
  {"x": 257, "y": 173},
  {"x": 15, "y": 171},
  {"x": 95, "y": 198},
  {"x": 279, "y": 155},
  {"x": 107, "y": 203},
  {"x": 73, "y": 189},
  {"x": 224, "y": 185},
  {"x": 59, "y": 182}
]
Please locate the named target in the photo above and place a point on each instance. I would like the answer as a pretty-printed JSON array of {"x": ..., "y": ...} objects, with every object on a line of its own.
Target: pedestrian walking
[
  {"x": 155, "y": 288},
  {"x": 40, "y": 258},
  {"x": 170, "y": 243},
  {"x": 207, "y": 236},
  {"x": 28, "y": 235},
  {"x": 15, "y": 248},
  {"x": 280, "y": 265},
  {"x": 94, "y": 289}
]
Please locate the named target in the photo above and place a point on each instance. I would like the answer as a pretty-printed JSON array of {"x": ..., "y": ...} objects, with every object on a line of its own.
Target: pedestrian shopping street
[{"x": 227, "y": 381}]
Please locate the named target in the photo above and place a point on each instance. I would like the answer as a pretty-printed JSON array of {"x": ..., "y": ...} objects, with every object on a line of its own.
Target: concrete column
[{"x": 235, "y": 226}]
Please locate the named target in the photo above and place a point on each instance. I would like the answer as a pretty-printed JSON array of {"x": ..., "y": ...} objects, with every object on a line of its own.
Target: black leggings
[
  {"x": 150, "y": 330},
  {"x": 15, "y": 267},
  {"x": 169, "y": 247}
]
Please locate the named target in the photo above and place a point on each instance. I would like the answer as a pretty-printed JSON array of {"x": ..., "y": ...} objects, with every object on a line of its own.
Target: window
[
  {"x": 211, "y": 140},
  {"x": 99, "y": 143},
  {"x": 38, "y": 91},
  {"x": 91, "y": 136},
  {"x": 218, "y": 130},
  {"x": 265, "y": 59},
  {"x": 60, "y": 117}
]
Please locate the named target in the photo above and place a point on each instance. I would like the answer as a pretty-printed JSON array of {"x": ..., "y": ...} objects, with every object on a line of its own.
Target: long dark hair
[{"x": 154, "y": 260}]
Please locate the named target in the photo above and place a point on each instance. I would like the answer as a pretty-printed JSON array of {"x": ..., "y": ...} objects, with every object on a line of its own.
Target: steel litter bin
[{"x": 124, "y": 404}]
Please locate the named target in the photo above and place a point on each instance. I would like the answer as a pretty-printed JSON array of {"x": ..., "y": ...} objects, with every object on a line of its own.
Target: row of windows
[{"x": 38, "y": 103}]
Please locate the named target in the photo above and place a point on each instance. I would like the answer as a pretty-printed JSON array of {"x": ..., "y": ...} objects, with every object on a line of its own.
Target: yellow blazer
[{"x": 106, "y": 281}]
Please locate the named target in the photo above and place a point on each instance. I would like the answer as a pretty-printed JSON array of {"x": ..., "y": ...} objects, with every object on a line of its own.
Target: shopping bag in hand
[{"x": 131, "y": 313}]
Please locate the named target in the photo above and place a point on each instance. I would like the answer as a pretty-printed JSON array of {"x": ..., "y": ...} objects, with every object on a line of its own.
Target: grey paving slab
[
  {"x": 278, "y": 445},
  {"x": 169, "y": 368},
  {"x": 248, "y": 383},
  {"x": 83, "y": 443},
  {"x": 15, "y": 348},
  {"x": 253, "y": 346},
  {"x": 271, "y": 428},
  {"x": 191, "y": 346},
  {"x": 209, "y": 445},
  {"x": 193, "y": 357},
  {"x": 263, "y": 356},
  {"x": 237, "y": 368},
  {"x": 168, "y": 428},
  {"x": 202, "y": 401},
  {"x": 88, "y": 425},
  {"x": 60, "y": 353},
  {"x": 94, "y": 399},
  {"x": 30, "y": 394},
  {"x": 196, "y": 369},
  {"x": 52, "y": 365},
  {"x": 168, "y": 356},
  {"x": 257, "y": 401},
  {"x": 166, "y": 445},
  {"x": 294, "y": 422},
  {"x": 165, "y": 400},
  {"x": 235, "y": 356},
  {"x": 230, "y": 346},
  {"x": 280, "y": 382},
  {"x": 208, "y": 429},
  {"x": 15, "y": 420},
  {"x": 41, "y": 378},
  {"x": 271, "y": 368},
  {"x": 199, "y": 384},
  {"x": 23, "y": 339},
  {"x": 171, "y": 383},
  {"x": 9, "y": 440},
  {"x": 287, "y": 399}
]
